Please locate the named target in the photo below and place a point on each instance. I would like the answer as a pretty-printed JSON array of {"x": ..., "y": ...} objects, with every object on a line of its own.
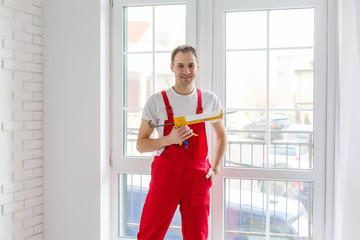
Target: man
[{"x": 180, "y": 174}]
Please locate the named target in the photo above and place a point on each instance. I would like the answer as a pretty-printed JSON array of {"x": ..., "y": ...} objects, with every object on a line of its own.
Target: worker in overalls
[{"x": 180, "y": 174}]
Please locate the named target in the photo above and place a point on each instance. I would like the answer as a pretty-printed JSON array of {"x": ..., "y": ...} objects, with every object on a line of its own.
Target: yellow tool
[
  {"x": 187, "y": 120},
  {"x": 198, "y": 118}
]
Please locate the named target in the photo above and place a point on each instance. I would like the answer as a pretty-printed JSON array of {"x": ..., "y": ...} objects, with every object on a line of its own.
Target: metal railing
[{"x": 252, "y": 152}]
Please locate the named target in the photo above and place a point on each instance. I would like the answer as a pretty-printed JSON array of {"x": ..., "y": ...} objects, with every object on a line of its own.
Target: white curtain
[{"x": 347, "y": 215}]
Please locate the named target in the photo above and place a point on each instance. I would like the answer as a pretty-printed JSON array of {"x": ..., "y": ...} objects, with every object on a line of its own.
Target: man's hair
[{"x": 184, "y": 49}]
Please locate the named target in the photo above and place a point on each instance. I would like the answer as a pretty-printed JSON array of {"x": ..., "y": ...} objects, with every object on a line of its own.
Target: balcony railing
[{"x": 295, "y": 153}]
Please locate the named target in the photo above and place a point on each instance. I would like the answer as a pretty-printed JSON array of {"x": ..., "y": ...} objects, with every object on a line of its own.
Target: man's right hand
[{"x": 178, "y": 135}]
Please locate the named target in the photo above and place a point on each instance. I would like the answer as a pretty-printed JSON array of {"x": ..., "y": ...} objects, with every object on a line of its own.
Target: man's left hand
[{"x": 211, "y": 173}]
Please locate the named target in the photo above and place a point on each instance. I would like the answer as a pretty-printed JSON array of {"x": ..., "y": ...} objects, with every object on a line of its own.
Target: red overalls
[{"x": 178, "y": 177}]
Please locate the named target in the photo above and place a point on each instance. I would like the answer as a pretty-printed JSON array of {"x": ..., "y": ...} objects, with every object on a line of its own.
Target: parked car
[
  {"x": 294, "y": 190},
  {"x": 277, "y": 122},
  {"x": 239, "y": 218},
  {"x": 301, "y": 133},
  {"x": 247, "y": 220},
  {"x": 285, "y": 155}
]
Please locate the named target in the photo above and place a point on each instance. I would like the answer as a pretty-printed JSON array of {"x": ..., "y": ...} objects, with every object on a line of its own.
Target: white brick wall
[{"x": 21, "y": 181}]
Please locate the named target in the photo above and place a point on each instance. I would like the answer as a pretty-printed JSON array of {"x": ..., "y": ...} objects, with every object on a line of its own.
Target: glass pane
[
  {"x": 139, "y": 28},
  {"x": 291, "y": 139},
  {"x": 300, "y": 132},
  {"x": 292, "y": 143},
  {"x": 132, "y": 120},
  {"x": 291, "y": 78},
  {"x": 169, "y": 26},
  {"x": 290, "y": 155},
  {"x": 246, "y": 131},
  {"x": 289, "y": 209},
  {"x": 236, "y": 122},
  {"x": 151, "y": 33},
  {"x": 246, "y": 79},
  {"x": 245, "y": 154},
  {"x": 164, "y": 77},
  {"x": 291, "y": 28},
  {"x": 138, "y": 79},
  {"x": 133, "y": 189},
  {"x": 246, "y": 30}
]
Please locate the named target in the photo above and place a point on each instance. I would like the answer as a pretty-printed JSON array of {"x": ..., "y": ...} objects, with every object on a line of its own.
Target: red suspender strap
[
  {"x": 199, "y": 107},
  {"x": 167, "y": 105}
]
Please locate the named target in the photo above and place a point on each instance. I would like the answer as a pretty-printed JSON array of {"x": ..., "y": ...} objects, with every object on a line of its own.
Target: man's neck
[{"x": 183, "y": 90}]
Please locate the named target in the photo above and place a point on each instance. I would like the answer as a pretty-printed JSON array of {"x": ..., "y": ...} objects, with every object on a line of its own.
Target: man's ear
[{"x": 172, "y": 67}]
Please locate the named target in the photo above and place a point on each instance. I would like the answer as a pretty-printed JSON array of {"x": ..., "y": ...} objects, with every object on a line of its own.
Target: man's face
[{"x": 185, "y": 68}]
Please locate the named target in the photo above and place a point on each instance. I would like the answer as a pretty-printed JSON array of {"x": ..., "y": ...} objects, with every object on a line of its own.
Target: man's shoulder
[
  {"x": 207, "y": 93},
  {"x": 155, "y": 97}
]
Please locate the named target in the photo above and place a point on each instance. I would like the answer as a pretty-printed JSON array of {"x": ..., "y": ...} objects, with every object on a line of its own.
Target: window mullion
[
  {"x": 268, "y": 139},
  {"x": 153, "y": 51}
]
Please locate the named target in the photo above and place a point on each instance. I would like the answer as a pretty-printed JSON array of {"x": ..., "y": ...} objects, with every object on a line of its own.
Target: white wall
[
  {"x": 74, "y": 78},
  {"x": 348, "y": 164},
  {"x": 21, "y": 119}
]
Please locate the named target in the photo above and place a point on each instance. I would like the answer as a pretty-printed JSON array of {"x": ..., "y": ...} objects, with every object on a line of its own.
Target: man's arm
[
  {"x": 145, "y": 143},
  {"x": 220, "y": 147}
]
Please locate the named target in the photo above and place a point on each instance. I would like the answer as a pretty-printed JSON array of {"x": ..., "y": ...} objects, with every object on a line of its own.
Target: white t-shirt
[{"x": 182, "y": 105}]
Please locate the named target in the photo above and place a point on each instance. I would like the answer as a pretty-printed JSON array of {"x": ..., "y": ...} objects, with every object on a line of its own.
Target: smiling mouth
[{"x": 186, "y": 76}]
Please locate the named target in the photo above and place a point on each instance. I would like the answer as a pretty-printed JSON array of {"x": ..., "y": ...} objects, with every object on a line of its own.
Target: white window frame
[
  {"x": 320, "y": 97},
  {"x": 203, "y": 12}
]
